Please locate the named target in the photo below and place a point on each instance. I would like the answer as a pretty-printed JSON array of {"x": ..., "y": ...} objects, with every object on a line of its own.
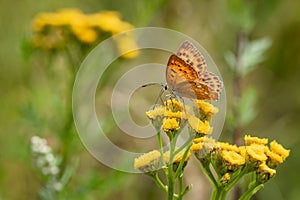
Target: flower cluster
[
  {"x": 54, "y": 30},
  {"x": 46, "y": 161},
  {"x": 174, "y": 115},
  {"x": 224, "y": 164},
  {"x": 231, "y": 162}
]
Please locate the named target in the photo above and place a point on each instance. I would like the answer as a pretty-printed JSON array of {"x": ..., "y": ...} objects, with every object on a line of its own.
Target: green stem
[
  {"x": 235, "y": 179},
  {"x": 160, "y": 146},
  {"x": 173, "y": 139},
  {"x": 180, "y": 194},
  {"x": 210, "y": 175},
  {"x": 189, "y": 141},
  {"x": 251, "y": 191},
  {"x": 159, "y": 183},
  {"x": 179, "y": 170}
]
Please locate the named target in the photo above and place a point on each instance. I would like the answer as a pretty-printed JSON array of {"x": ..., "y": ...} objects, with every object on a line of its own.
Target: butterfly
[{"x": 187, "y": 75}]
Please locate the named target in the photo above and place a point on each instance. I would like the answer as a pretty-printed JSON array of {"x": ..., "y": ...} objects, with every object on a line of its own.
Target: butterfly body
[{"x": 186, "y": 75}]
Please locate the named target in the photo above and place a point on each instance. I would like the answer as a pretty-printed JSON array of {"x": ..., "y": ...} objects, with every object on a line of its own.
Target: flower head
[
  {"x": 170, "y": 125},
  {"x": 147, "y": 162},
  {"x": 202, "y": 148},
  {"x": 177, "y": 158},
  {"x": 204, "y": 110},
  {"x": 255, "y": 140},
  {"x": 199, "y": 127},
  {"x": 264, "y": 173},
  {"x": 255, "y": 155},
  {"x": 279, "y": 149}
]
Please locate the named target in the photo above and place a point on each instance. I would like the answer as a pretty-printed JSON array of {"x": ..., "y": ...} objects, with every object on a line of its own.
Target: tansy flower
[
  {"x": 177, "y": 158},
  {"x": 174, "y": 105},
  {"x": 264, "y": 173},
  {"x": 172, "y": 116},
  {"x": 147, "y": 162},
  {"x": 227, "y": 146},
  {"x": 279, "y": 149},
  {"x": 276, "y": 154},
  {"x": 126, "y": 44},
  {"x": 170, "y": 125},
  {"x": 202, "y": 147},
  {"x": 233, "y": 158},
  {"x": 225, "y": 179},
  {"x": 255, "y": 154},
  {"x": 255, "y": 140},
  {"x": 199, "y": 127},
  {"x": 204, "y": 110},
  {"x": 273, "y": 158},
  {"x": 156, "y": 116}
]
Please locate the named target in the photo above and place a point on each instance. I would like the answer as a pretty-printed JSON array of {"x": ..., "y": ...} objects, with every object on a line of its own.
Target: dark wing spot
[
  {"x": 199, "y": 65},
  {"x": 198, "y": 60},
  {"x": 191, "y": 63}
]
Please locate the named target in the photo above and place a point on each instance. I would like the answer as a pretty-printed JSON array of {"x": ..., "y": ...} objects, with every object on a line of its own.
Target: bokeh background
[{"x": 29, "y": 103}]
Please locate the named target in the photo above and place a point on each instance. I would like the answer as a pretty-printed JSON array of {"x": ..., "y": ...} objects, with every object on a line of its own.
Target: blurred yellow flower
[{"x": 86, "y": 28}]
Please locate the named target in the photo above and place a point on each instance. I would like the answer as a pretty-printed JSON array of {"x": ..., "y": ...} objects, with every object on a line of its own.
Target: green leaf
[
  {"x": 253, "y": 54},
  {"x": 69, "y": 171},
  {"x": 230, "y": 59},
  {"x": 246, "y": 106}
]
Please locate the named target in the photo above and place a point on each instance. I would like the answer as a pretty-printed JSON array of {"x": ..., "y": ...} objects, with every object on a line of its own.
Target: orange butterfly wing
[
  {"x": 183, "y": 79},
  {"x": 188, "y": 52}
]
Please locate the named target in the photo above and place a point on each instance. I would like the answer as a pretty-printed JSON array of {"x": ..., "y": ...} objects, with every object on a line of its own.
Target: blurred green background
[{"x": 210, "y": 23}]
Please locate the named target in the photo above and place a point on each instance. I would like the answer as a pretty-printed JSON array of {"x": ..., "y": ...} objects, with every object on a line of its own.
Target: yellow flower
[
  {"x": 147, "y": 162},
  {"x": 158, "y": 111},
  {"x": 225, "y": 179},
  {"x": 174, "y": 105},
  {"x": 227, "y": 146},
  {"x": 127, "y": 45},
  {"x": 177, "y": 158},
  {"x": 86, "y": 35},
  {"x": 255, "y": 140},
  {"x": 200, "y": 127},
  {"x": 156, "y": 116},
  {"x": 233, "y": 158},
  {"x": 279, "y": 149},
  {"x": 205, "y": 110},
  {"x": 256, "y": 153},
  {"x": 264, "y": 173},
  {"x": 170, "y": 125},
  {"x": 242, "y": 151},
  {"x": 109, "y": 21},
  {"x": 202, "y": 147}
]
